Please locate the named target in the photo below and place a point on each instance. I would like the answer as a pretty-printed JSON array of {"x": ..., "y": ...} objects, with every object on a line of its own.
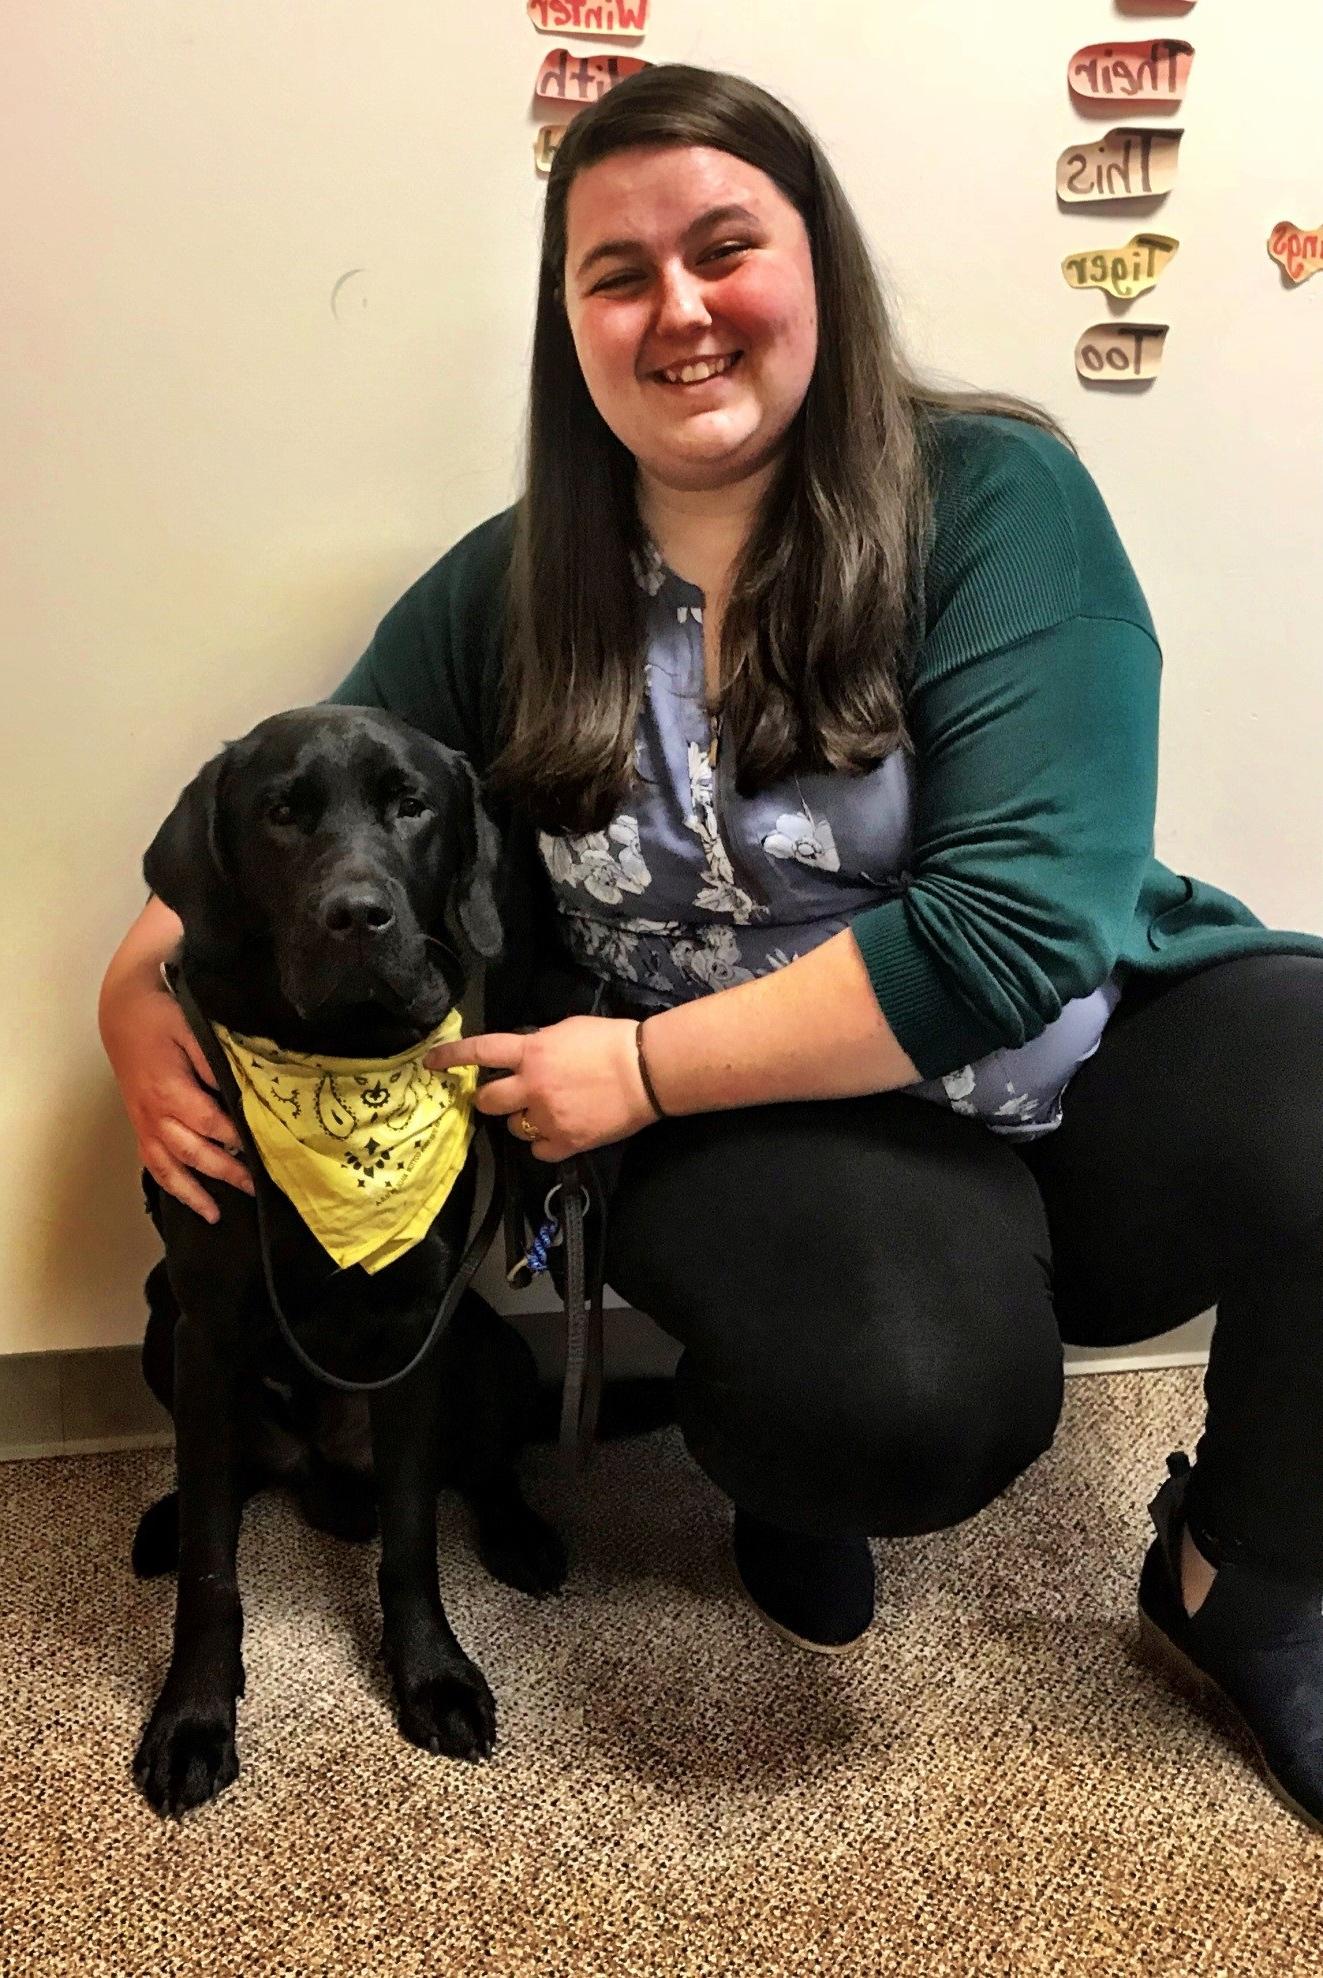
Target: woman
[{"x": 832, "y": 701}]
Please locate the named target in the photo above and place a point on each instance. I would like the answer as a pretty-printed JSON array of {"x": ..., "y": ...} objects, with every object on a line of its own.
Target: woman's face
[{"x": 658, "y": 276}]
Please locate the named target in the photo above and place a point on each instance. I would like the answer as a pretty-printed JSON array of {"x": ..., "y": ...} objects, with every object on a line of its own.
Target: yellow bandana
[{"x": 367, "y": 1150}]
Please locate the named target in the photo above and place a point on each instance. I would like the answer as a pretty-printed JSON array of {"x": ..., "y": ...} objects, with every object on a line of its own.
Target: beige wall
[{"x": 215, "y": 486}]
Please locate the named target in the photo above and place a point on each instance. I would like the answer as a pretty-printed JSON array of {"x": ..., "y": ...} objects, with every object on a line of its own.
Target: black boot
[
  {"x": 818, "y": 1592},
  {"x": 1256, "y": 1640}
]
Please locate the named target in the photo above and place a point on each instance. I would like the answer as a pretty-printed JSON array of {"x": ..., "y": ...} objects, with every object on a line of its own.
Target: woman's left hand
[{"x": 576, "y": 1083}]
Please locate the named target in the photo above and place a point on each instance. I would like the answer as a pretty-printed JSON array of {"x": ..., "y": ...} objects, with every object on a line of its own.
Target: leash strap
[
  {"x": 582, "y": 1390},
  {"x": 478, "y": 1247},
  {"x": 582, "y": 1394}
]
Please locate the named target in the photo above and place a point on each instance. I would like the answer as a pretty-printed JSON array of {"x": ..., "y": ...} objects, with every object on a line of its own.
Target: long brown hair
[{"x": 827, "y": 591}]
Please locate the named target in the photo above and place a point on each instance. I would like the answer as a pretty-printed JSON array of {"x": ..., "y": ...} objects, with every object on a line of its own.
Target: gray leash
[{"x": 564, "y": 1213}]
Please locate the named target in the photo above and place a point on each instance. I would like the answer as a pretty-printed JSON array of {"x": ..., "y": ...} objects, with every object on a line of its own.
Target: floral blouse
[{"x": 693, "y": 887}]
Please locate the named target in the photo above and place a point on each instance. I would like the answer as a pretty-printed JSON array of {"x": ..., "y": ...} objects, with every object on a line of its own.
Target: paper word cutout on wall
[
  {"x": 1123, "y": 271},
  {"x": 568, "y": 78},
  {"x": 1141, "y": 71},
  {"x": 1121, "y": 353},
  {"x": 1298, "y": 253},
  {"x": 546, "y": 144},
  {"x": 1126, "y": 164},
  {"x": 622, "y": 20}
]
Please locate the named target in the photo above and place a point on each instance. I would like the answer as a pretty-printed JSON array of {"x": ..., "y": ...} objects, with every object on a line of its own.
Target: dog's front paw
[
  {"x": 451, "y": 1712},
  {"x": 187, "y": 1754}
]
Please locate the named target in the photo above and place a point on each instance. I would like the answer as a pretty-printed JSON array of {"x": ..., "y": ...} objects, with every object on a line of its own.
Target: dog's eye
[
  {"x": 409, "y": 807},
  {"x": 280, "y": 814}
]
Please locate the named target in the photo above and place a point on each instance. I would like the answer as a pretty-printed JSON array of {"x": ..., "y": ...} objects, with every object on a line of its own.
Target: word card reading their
[
  {"x": 1126, "y": 164},
  {"x": 1121, "y": 353},
  {"x": 567, "y": 78},
  {"x": 612, "y": 19},
  {"x": 1123, "y": 271},
  {"x": 1143, "y": 71},
  {"x": 1297, "y": 253}
]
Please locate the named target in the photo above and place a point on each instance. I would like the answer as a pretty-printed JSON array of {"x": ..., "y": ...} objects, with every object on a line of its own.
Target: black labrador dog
[{"x": 331, "y": 870}]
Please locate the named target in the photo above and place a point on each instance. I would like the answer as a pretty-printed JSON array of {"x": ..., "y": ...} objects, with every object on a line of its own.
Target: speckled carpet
[{"x": 993, "y": 1785}]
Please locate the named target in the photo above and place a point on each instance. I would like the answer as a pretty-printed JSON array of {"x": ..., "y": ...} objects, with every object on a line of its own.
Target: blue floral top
[{"x": 692, "y": 887}]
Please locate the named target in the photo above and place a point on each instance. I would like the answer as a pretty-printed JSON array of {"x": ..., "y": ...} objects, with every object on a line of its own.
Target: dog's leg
[
  {"x": 187, "y": 1754},
  {"x": 489, "y": 1395},
  {"x": 271, "y": 1452},
  {"x": 156, "y": 1541},
  {"x": 442, "y": 1699},
  {"x": 158, "y": 1344}
]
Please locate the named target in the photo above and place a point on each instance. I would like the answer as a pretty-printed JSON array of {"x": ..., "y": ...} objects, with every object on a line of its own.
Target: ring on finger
[{"x": 525, "y": 1128}]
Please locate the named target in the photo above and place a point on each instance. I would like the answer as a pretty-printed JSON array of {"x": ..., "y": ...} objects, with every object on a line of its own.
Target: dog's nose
[{"x": 357, "y": 910}]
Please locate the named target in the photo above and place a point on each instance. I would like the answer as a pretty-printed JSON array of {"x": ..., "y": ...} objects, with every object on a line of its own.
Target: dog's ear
[
  {"x": 184, "y": 865},
  {"x": 472, "y": 901}
]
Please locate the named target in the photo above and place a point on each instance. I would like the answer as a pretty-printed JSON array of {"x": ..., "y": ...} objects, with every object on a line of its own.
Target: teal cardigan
[{"x": 1033, "y": 706}]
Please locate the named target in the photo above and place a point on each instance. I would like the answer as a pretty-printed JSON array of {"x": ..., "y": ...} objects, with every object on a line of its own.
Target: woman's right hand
[{"x": 170, "y": 1095}]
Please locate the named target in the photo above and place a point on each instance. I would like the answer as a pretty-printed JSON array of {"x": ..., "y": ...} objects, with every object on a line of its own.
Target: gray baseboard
[
  {"x": 71, "y": 1404},
  {"x": 79, "y": 1403}
]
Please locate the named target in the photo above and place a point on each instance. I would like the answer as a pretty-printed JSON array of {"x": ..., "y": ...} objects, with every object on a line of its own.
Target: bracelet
[{"x": 645, "y": 1075}]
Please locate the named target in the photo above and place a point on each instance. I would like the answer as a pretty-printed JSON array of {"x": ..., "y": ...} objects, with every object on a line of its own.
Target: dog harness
[{"x": 367, "y": 1150}]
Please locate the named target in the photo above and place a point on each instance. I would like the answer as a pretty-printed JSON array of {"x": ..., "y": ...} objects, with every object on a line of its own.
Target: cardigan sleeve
[
  {"x": 1037, "y": 781},
  {"x": 1034, "y": 717}
]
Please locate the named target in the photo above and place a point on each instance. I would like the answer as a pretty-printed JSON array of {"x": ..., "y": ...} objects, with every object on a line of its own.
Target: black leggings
[{"x": 872, "y": 1293}]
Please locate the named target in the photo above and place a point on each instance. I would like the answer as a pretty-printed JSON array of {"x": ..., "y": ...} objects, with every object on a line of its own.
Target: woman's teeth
[{"x": 694, "y": 374}]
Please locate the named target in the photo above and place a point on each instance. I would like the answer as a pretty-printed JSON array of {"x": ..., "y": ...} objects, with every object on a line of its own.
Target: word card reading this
[{"x": 1126, "y": 164}]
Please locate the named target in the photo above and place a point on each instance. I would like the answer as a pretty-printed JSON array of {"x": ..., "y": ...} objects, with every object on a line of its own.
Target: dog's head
[{"x": 349, "y": 849}]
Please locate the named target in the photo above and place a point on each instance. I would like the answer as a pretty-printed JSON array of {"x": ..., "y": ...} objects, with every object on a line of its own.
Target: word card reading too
[
  {"x": 1121, "y": 353},
  {"x": 620, "y": 20},
  {"x": 1123, "y": 271},
  {"x": 1143, "y": 71},
  {"x": 568, "y": 78},
  {"x": 1297, "y": 253},
  {"x": 1126, "y": 164}
]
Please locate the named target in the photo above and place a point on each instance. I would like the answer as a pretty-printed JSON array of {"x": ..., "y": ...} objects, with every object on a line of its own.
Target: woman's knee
[
  {"x": 915, "y": 1444},
  {"x": 870, "y": 1343},
  {"x": 1233, "y": 1056}
]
